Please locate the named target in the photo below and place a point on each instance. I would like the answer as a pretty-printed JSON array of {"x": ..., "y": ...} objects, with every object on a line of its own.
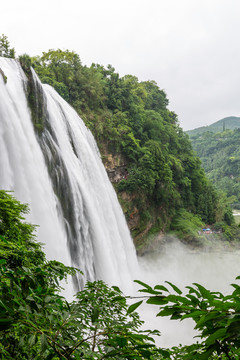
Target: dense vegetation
[
  {"x": 5, "y": 49},
  {"x": 220, "y": 156},
  {"x": 36, "y": 322},
  {"x": 161, "y": 178},
  {"x": 130, "y": 120},
  {"x": 216, "y": 318}
]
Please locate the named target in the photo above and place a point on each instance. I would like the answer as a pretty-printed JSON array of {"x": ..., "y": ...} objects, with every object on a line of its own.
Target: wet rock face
[
  {"x": 117, "y": 174},
  {"x": 116, "y": 167},
  {"x": 134, "y": 218},
  {"x": 112, "y": 161}
]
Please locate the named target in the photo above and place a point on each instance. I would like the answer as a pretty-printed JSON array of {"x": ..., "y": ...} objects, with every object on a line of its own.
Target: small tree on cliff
[{"x": 5, "y": 49}]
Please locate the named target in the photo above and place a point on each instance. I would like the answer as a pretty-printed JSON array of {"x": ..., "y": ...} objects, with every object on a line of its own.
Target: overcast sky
[{"x": 191, "y": 48}]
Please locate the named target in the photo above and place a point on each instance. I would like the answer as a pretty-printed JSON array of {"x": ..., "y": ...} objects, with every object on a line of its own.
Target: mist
[{"x": 215, "y": 266}]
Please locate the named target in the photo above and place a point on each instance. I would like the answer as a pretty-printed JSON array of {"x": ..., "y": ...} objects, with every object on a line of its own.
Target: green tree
[
  {"x": 131, "y": 122},
  {"x": 36, "y": 322},
  {"x": 216, "y": 318},
  {"x": 5, "y": 49}
]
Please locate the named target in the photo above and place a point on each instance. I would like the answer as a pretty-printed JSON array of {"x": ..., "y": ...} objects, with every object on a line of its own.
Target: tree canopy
[
  {"x": 132, "y": 124},
  {"x": 5, "y": 49},
  {"x": 130, "y": 119},
  {"x": 220, "y": 156},
  {"x": 36, "y": 322}
]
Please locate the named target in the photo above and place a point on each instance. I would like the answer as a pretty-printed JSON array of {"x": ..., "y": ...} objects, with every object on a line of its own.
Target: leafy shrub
[
  {"x": 36, "y": 322},
  {"x": 186, "y": 223}
]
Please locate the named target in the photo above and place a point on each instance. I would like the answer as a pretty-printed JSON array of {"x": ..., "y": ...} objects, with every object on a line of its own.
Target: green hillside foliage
[
  {"x": 215, "y": 315},
  {"x": 220, "y": 156},
  {"x": 5, "y": 49},
  {"x": 36, "y": 322},
  {"x": 228, "y": 123},
  {"x": 130, "y": 119}
]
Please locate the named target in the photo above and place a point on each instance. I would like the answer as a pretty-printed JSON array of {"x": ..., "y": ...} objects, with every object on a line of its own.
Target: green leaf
[
  {"x": 206, "y": 294},
  {"x": 175, "y": 288},
  {"x": 160, "y": 287},
  {"x": 217, "y": 335},
  {"x": 182, "y": 299},
  {"x": 44, "y": 342},
  {"x": 193, "y": 290},
  {"x": 121, "y": 341},
  {"x": 206, "y": 355},
  {"x": 48, "y": 298},
  {"x": 95, "y": 315},
  {"x": 118, "y": 298},
  {"x": 116, "y": 288},
  {"x": 166, "y": 312},
  {"x": 3, "y": 261},
  {"x": 134, "y": 306},
  {"x": 149, "y": 291},
  {"x": 3, "y": 305},
  {"x": 164, "y": 353},
  {"x": 143, "y": 284},
  {"x": 32, "y": 340},
  {"x": 146, "y": 353},
  {"x": 177, "y": 315},
  {"x": 193, "y": 314},
  {"x": 235, "y": 286},
  {"x": 193, "y": 298},
  {"x": 234, "y": 327},
  {"x": 157, "y": 300}
]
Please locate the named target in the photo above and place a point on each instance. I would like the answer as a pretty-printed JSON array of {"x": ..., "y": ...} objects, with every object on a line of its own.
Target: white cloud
[{"x": 190, "y": 47}]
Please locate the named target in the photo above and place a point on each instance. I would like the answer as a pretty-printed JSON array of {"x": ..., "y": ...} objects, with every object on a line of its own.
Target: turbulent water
[{"x": 59, "y": 173}]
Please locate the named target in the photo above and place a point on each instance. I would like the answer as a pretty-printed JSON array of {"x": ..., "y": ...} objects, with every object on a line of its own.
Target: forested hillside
[
  {"x": 39, "y": 323},
  {"x": 220, "y": 156},
  {"x": 160, "y": 182},
  {"x": 148, "y": 156},
  {"x": 161, "y": 185}
]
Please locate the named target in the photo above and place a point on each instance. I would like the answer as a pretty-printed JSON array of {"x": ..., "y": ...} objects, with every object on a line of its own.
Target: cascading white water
[{"x": 59, "y": 173}]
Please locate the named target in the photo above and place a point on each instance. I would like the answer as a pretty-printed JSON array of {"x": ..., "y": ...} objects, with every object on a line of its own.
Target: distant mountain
[
  {"x": 218, "y": 147},
  {"x": 230, "y": 123}
]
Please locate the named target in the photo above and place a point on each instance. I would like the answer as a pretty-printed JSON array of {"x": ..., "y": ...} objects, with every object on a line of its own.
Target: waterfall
[{"x": 56, "y": 168}]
